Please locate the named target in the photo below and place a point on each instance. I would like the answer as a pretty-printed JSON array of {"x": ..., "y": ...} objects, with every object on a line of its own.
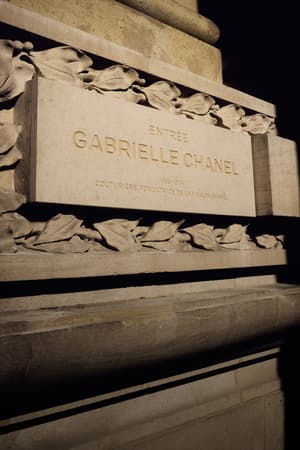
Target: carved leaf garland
[
  {"x": 162, "y": 230},
  {"x": 61, "y": 63},
  {"x": 161, "y": 95},
  {"x": 116, "y": 77},
  {"x": 60, "y": 227},
  {"x": 117, "y": 234}
]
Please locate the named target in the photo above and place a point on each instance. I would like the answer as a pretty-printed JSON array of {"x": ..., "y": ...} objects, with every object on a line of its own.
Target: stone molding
[
  {"x": 69, "y": 65},
  {"x": 178, "y": 16},
  {"x": 135, "y": 335}
]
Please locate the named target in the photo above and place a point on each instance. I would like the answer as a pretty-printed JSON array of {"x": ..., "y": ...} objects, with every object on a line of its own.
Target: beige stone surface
[
  {"x": 38, "y": 267},
  {"x": 133, "y": 292},
  {"x": 156, "y": 160},
  {"x": 124, "y": 26},
  {"x": 178, "y": 16},
  {"x": 275, "y": 419},
  {"x": 192, "y": 4},
  {"x": 98, "y": 45},
  {"x": 192, "y": 405},
  {"x": 276, "y": 176}
]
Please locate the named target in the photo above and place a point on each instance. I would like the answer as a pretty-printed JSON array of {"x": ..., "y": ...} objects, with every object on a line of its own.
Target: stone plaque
[{"x": 91, "y": 149}]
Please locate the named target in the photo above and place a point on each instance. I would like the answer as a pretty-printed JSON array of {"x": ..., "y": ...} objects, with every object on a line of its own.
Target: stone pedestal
[
  {"x": 143, "y": 264},
  {"x": 139, "y": 32}
]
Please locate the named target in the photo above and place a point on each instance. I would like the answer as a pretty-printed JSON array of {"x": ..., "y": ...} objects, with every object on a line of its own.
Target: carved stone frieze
[
  {"x": 65, "y": 233},
  {"x": 19, "y": 63}
]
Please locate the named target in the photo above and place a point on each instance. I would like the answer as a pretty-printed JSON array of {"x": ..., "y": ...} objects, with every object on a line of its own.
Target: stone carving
[
  {"x": 65, "y": 233},
  {"x": 14, "y": 69},
  {"x": 19, "y": 63}
]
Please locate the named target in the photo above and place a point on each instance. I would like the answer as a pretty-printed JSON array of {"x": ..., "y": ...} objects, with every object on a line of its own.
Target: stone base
[
  {"x": 129, "y": 28},
  {"x": 232, "y": 406}
]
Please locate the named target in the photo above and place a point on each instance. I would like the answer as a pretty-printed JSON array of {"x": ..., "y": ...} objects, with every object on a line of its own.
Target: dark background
[{"x": 259, "y": 44}]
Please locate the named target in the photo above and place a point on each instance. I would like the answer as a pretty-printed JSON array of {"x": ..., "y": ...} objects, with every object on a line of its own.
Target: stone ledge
[{"x": 15, "y": 267}]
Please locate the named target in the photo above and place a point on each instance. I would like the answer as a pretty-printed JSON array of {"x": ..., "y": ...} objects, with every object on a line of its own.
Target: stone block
[
  {"x": 275, "y": 176},
  {"x": 274, "y": 422},
  {"x": 154, "y": 161},
  {"x": 239, "y": 428}
]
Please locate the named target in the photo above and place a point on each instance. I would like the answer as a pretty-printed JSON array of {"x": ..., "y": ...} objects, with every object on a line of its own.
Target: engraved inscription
[
  {"x": 110, "y": 184},
  {"x": 155, "y": 154}
]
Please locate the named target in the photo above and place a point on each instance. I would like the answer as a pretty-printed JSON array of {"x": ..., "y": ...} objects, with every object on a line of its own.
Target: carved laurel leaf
[
  {"x": 38, "y": 227},
  {"x": 10, "y": 158},
  {"x": 6, "y": 55},
  {"x": 244, "y": 244},
  {"x": 10, "y": 200},
  {"x": 117, "y": 233},
  {"x": 202, "y": 236},
  {"x": 140, "y": 231},
  {"x": 8, "y": 136},
  {"x": 61, "y": 63},
  {"x": 74, "y": 245},
  {"x": 197, "y": 104},
  {"x": 234, "y": 233},
  {"x": 7, "y": 180},
  {"x": 88, "y": 233},
  {"x": 218, "y": 233},
  {"x": 230, "y": 117},
  {"x": 162, "y": 230},
  {"x": 61, "y": 227},
  {"x": 129, "y": 96},
  {"x": 20, "y": 226},
  {"x": 266, "y": 241},
  {"x": 14, "y": 83},
  {"x": 206, "y": 118},
  {"x": 281, "y": 239},
  {"x": 256, "y": 123},
  {"x": 162, "y": 95},
  {"x": 7, "y": 243},
  {"x": 273, "y": 130},
  {"x": 181, "y": 242},
  {"x": 116, "y": 77}
]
